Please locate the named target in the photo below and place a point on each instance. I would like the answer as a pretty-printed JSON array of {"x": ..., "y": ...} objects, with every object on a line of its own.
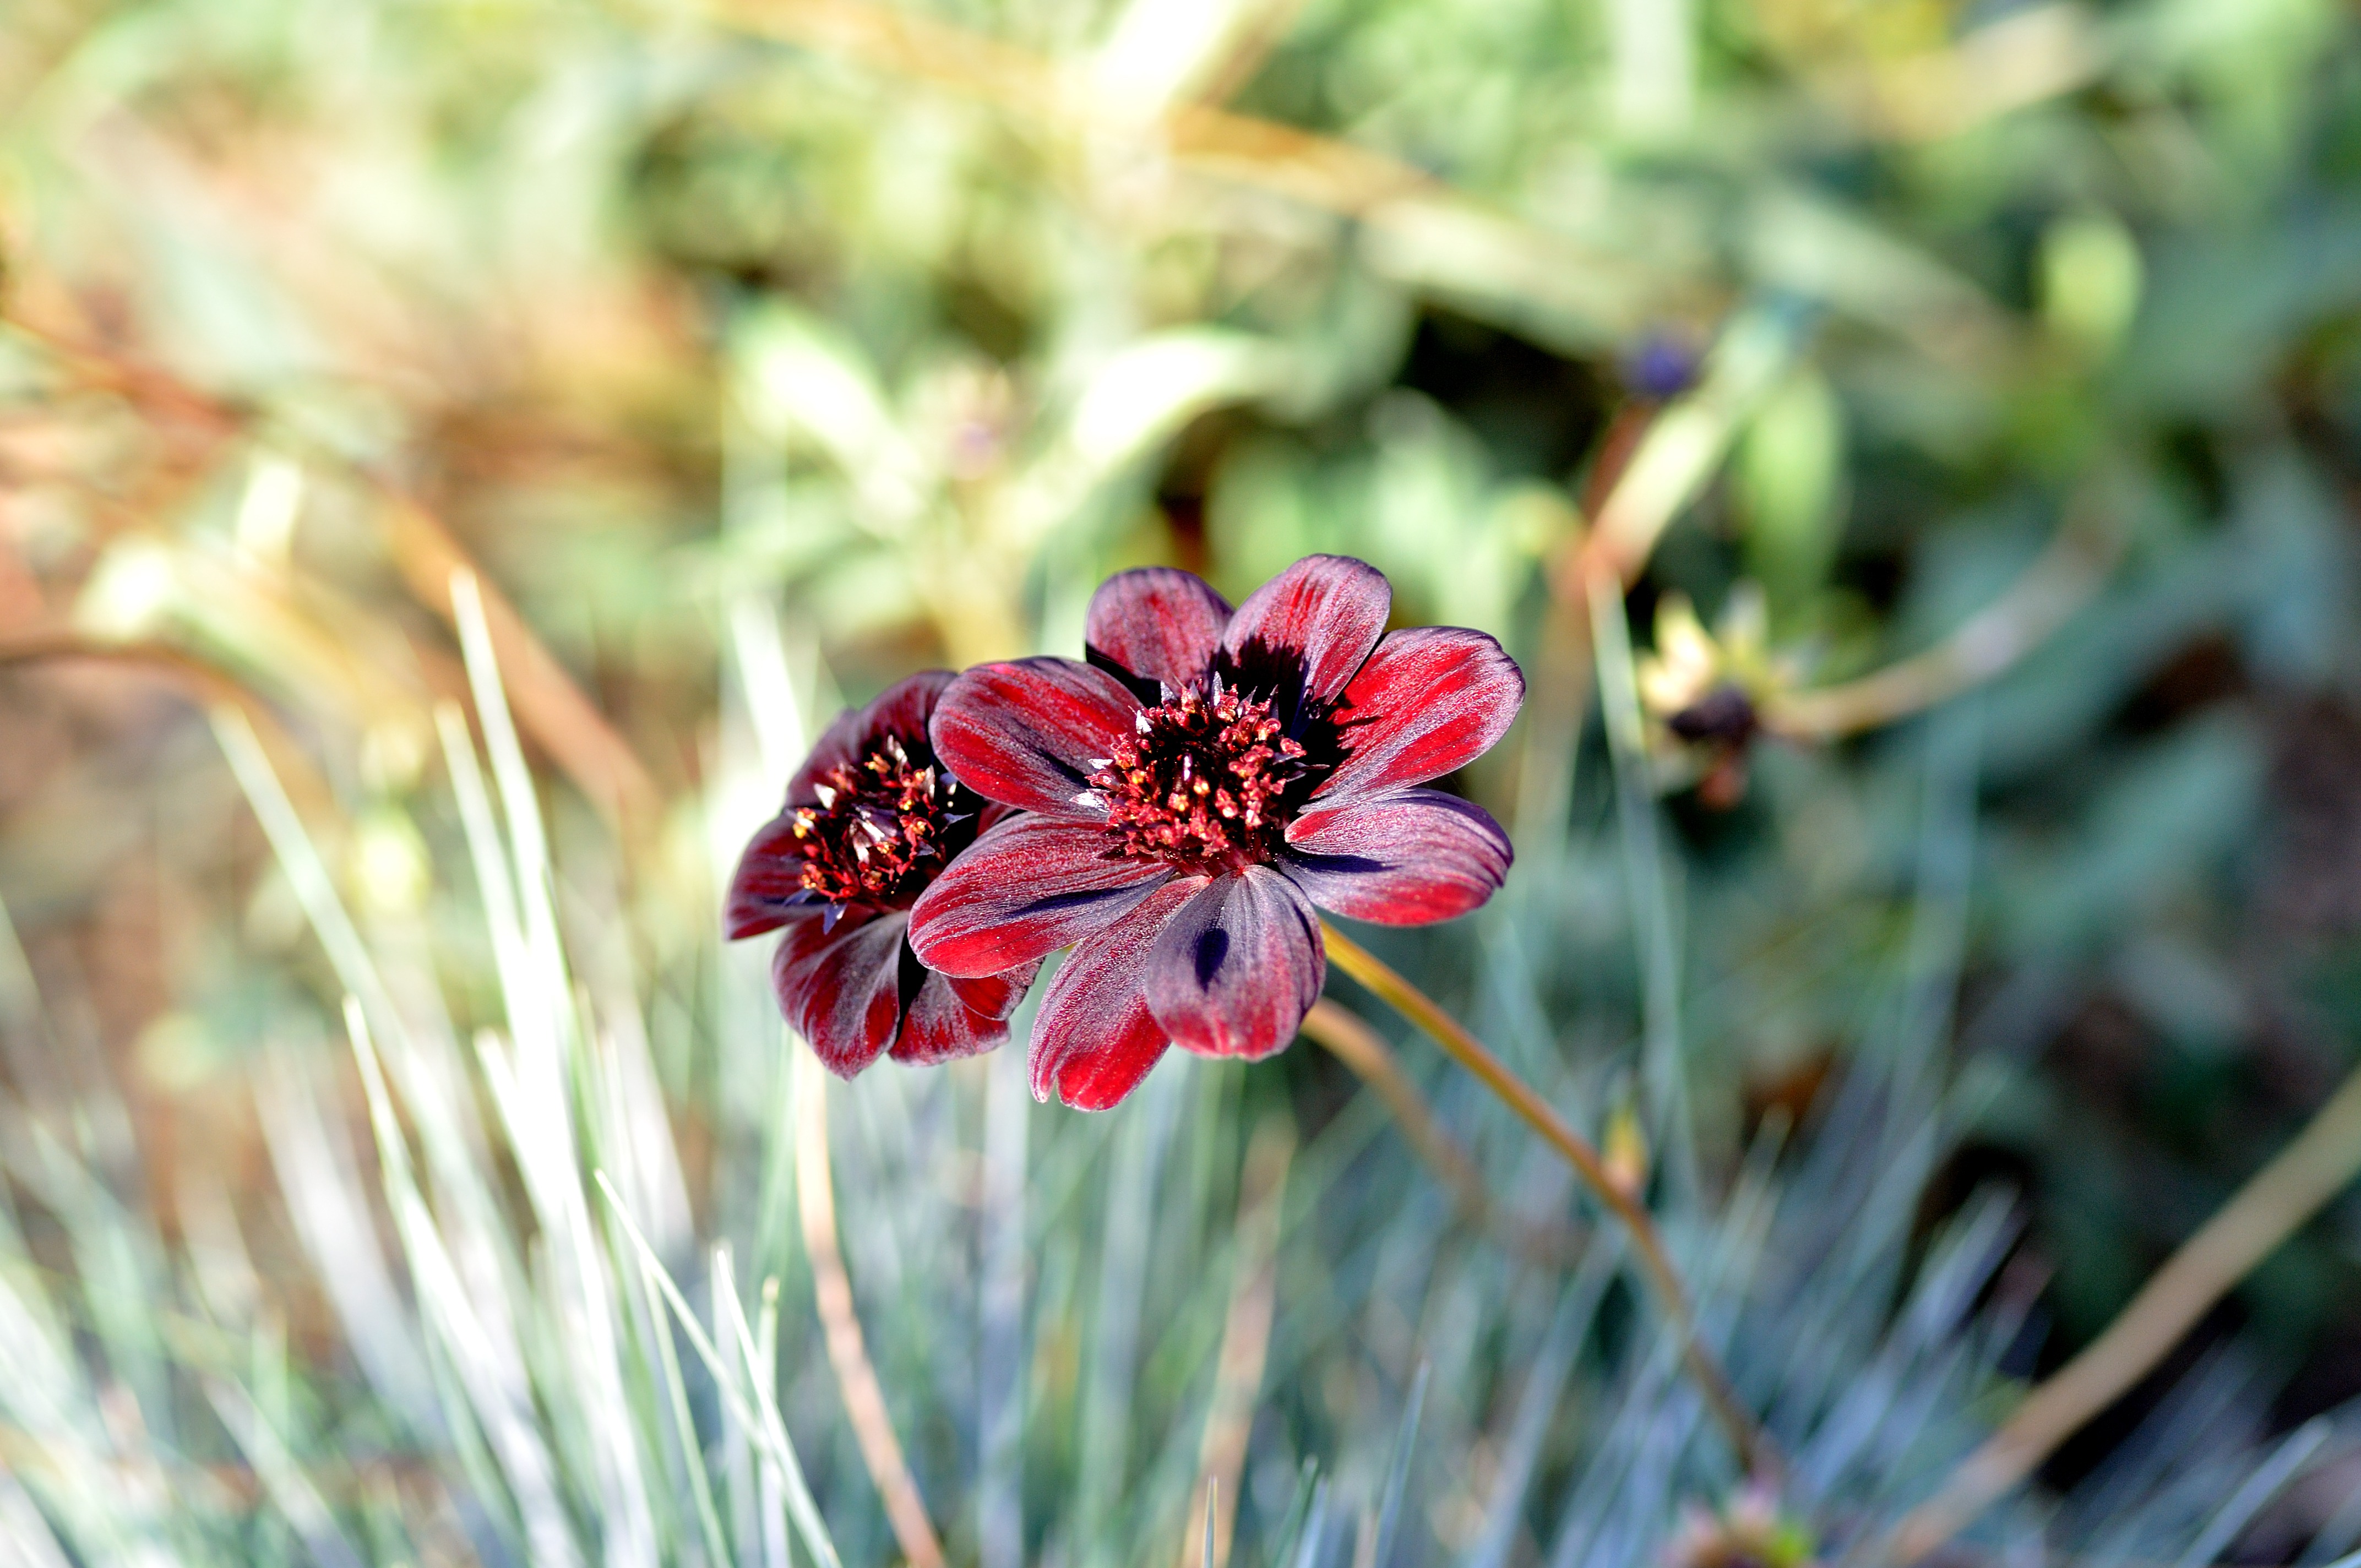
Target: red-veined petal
[
  {"x": 1095, "y": 1038},
  {"x": 842, "y": 989},
  {"x": 1429, "y": 700},
  {"x": 1235, "y": 968},
  {"x": 996, "y": 996},
  {"x": 1030, "y": 733},
  {"x": 769, "y": 877},
  {"x": 902, "y": 709},
  {"x": 1320, "y": 617},
  {"x": 940, "y": 1025},
  {"x": 1403, "y": 859},
  {"x": 1158, "y": 623},
  {"x": 1029, "y": 886}
]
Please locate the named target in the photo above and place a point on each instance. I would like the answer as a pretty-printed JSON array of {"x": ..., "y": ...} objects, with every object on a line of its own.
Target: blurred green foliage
[{"x": 759, "y": 353}]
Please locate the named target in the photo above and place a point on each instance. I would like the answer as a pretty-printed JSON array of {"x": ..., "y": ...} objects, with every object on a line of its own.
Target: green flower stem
[{"x": 1755, "y": 1450}]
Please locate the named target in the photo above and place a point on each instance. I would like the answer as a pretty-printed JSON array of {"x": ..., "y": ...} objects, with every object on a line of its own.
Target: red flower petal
[
  {"x": 1429, "y": 700},
  {"x": 1030, "y": 733},
  {"x": 1321, "y": 615},
  {"x": 996, "y": 996},
  {"x": 1029, "y": 886},
  {"x": 1095, "y": 1038},
  {"x": 940, "y": 1026},
  {"x": 842, "y": 989},
  {"x": 1237, "y": 967},
  {"x": 1404, "y": 859},
  {"x": 770, "y": 875},
  {"x": 1159, "y": 623},
  {"x": 902, "y": 708}
]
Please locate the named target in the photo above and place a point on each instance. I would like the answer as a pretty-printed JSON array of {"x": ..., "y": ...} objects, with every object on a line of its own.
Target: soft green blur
[{"x": 753, "y": 354}]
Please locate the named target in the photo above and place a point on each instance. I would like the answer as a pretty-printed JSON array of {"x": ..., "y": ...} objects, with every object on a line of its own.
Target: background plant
[{"x": 751, "y": 356}]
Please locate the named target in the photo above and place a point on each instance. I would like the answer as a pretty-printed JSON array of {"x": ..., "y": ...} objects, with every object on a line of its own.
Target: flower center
[
  {"x": 1207, "y": 782},
  {"x": 878, "y": 835}
]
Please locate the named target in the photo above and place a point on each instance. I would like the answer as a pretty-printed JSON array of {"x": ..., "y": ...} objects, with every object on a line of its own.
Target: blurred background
[{"x": 1914, "y": 449}]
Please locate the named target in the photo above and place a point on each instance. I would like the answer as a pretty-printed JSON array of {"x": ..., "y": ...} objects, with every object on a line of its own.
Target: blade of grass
[
  {"x": 1388, "y": 1520},
  {"x": 848, "y": 1353},
  {"x": 761, "y": 1417},
  {"x": 1246, "y": 1332},
  {"x": 1664, "y": 1069},
  {"x": 1348, "y": 1037},
  {"x": 2321, "y": 1161},
  {"x": 1752, "y": 1445}
]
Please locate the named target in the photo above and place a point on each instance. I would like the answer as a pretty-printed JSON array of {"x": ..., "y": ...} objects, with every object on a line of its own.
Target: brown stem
[
  {"x": 1755, "y": 1449},
  {"x": 864, "y": 1399},
  {"x": 1349, "y": 1038},
  {"x": 2305, "y": 1175}
]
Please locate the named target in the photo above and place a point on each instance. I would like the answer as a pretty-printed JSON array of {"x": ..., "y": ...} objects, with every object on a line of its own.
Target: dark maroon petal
[
  {"x": 1403, "y": 859},
  {"x": 770, "y": 876},
  {"x": 1030, "y": 733},
  {"x": 940, "y": 1026},
  {"x": 1429, "y": 700},
  {"x": 1028, "y": 887},
  {"x": 996, "y": 996},
  {"x": 904, "y": 707},
  {"x": 1321, "y": 616},
  {"x": 901, "y": 709},
  {"x": 842, "y": 989},
  {"x": 839, "y": 744},
  {"x": 1095, "y": 1038},
  {"x": 1159, "y": 623},
  {"x": 1237, "y": 967}
]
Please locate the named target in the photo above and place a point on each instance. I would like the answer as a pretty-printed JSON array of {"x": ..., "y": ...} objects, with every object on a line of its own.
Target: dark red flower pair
[
  {"x": 1181, "y": 803},
  {"x": 871, "y": 819}
]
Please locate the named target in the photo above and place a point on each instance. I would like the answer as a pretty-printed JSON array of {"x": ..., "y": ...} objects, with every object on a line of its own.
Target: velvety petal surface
[
  {"x": 996, "y": 996},
  {"x": 1094, "y": 1038},
  {"x": 1029, "y": 886},
  {"x": 902, "y": 708},
  {"x": 842, "y": 989},
  {"x": 1237, "y": 967},
  {"x": 839, "y": 744},
  {"x": 1028, "y": 733},
  {"x": 1429, "y": 700},
  {"x": 940, "y": 1026},
  {"x": 1403, "y": 859},
  {"x": 770, "y": 875},
  {"x": 1159, "y": 623},
  {"x": 1322, "y": 616}
]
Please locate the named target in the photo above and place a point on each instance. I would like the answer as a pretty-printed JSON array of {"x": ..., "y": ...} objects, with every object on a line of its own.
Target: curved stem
[
  {"x": 1348, "y": 1038},
  {"x": 2305, "y": 1175},
  {"x": 1755, "y": 1450}
]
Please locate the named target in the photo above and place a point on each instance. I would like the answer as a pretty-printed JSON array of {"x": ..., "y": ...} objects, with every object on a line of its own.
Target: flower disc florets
[
  {"x": 1204, "y": 782},
  {"x": 870, "y": 821},
  {"x": 879, "y": 830}
]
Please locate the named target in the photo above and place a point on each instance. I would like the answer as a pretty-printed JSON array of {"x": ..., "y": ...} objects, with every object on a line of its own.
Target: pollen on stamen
[
  {"x": 878, "y": 834},
  {"x": 1208, "y": 782}
]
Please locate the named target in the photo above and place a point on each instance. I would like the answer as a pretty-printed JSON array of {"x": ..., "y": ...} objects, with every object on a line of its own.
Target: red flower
[
  {"x": 869, "y": 820},
  {"x": 1193, "y": 792}
]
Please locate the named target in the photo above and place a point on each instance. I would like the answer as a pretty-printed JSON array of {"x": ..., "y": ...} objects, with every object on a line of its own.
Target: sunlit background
[{"x": 453, "y": 453}]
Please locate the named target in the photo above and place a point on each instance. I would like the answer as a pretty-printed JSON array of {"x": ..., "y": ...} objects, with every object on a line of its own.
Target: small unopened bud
[{"x": 1626, "y": 1152}]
